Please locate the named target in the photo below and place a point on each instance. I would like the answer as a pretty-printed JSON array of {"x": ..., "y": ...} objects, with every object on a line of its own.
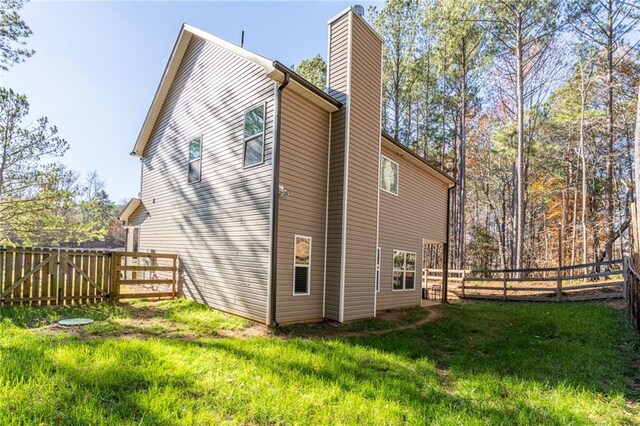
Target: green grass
[{"x": 158, "y": 363}]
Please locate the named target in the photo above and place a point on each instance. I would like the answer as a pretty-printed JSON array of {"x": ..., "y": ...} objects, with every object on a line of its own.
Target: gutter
[
  {"x": 388, "y": 137},
  {"x": 304, "y": 83},
  {"x": 445, "y": 251},
  {"x": 275, "y": 189}
]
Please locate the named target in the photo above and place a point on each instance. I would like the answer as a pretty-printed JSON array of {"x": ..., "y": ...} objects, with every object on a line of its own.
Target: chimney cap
[{"x": 359, "y": 9}]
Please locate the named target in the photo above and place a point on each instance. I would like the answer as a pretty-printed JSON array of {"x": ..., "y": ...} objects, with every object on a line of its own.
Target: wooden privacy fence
[
  {"x": 44, "y": 276},
  {"x": 591, "y": 281}
]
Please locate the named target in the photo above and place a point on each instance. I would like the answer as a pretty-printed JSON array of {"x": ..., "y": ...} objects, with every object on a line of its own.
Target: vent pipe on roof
[
  {"x": 242, "y": 39},
  {"x": 359, "y": 9}
]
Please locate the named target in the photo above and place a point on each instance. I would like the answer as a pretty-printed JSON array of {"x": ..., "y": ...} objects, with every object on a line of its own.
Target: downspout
[
  {"x": 275, "y": 185},
  {"x": 445, "y": 251}
]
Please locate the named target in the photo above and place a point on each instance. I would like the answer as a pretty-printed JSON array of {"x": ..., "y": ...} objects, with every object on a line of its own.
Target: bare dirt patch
[
  {"x": 147, "y": 322},
  {"x": 385, "y": 322},
  {"x": 434, "y": 313}
]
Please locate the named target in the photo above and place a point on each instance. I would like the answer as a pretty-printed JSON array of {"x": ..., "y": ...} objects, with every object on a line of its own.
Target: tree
[
  {"x": 468, "y": 51},
  {"x": 314, "y": 70},
  {"x": 606, "y": 24},
  {"x": 398, "y": 23},
  {"x": 524, "y": 32},
  {"x": 13, "y": 32},
  {"x": 96, "y": 209},
  {"x": 637, "y": 161},
  {"x": 29, "y": 187}
]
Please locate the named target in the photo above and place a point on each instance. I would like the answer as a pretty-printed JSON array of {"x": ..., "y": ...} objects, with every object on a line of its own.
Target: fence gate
[
  {"x": 144, "y": 275},
  {"x": 41, "y": 276}
]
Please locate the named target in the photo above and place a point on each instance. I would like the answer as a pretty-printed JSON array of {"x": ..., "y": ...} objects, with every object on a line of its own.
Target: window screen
[{"x": 302, "y": 265}]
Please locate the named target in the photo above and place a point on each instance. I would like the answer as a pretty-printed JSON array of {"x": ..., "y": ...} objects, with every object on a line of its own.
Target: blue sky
[{"x": 97, "y": 65}]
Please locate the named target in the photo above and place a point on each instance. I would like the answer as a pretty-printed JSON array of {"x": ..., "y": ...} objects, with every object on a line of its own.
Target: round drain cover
[{"x": 70, "y": 322}]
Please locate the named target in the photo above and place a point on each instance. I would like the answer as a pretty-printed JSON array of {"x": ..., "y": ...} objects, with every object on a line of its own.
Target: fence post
[
  {"x": 504, "y": 285},
  {"x": 115, "y": 262},
  {"x": 464, "y": 277},
  {"x": 559, "y": 272},
  {"x": 625, "y": 280},
  {"x": 175, "y": 267}
]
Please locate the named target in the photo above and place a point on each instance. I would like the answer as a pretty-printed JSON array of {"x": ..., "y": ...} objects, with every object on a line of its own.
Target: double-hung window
[
  {"x": 301, "y": 265},
  {"x": 195, "y": 159},
  {"x": 404, "y": 270},
  {"x": 388, "y": 175},
  {"x": 254, "y": 136}
]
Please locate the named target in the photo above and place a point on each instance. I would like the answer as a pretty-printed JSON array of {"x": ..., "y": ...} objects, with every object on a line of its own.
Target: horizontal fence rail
[
  {"x": 48, "y": 276},
  {"x": 589, "y": 281},
  {"x": 141, "y": 275}
]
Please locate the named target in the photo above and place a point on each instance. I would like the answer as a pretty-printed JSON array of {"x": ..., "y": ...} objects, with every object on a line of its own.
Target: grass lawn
[{"x": 175, "y": 362}]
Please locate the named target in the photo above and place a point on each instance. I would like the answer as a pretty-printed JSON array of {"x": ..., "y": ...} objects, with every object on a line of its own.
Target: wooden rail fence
[
  {"x": 45, "y": 276},
  {"x": 633, "y": 293},
  {"x": 591, "y": 281},
  {"x": 142, "y": 274}
]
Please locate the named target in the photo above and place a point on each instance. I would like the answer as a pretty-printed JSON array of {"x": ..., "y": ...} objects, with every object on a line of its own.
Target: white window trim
[
  {"x": 404, "y": 271},
  {"x": 378, "y": 258},
  {"x": 189, "y": 161},
  {"x": 397, "y": 176},
  {"x": 264, "y": 137},
  {"x": 293, "y": 291}
]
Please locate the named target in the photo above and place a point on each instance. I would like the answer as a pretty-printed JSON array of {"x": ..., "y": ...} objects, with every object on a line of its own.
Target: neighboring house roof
[
  {"x": 131, "y": 206},
  {"x": 273, "y": 69},
  {"x": 393, "y": 144}
]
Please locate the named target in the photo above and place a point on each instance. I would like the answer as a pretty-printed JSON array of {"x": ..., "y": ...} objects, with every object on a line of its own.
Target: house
[{"x": 285, "y": 203}]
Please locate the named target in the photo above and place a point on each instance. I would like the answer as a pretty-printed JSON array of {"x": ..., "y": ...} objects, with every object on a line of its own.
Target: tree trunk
[
  {"x": 583, "y": 161},
  {"x": 610, "y": 136},
  {"x": 462, "y": 159},
  {"x": 444, "y": 106},
  {"x": 636, "y": 159},
  {"x": 519, "y": 244}
]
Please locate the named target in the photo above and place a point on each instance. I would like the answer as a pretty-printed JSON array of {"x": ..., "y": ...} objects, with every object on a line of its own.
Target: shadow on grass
[
  {"x": 586, "y": 346},
  {"x": 109, "y": 380},
  {"x": 489, "y": 363}
]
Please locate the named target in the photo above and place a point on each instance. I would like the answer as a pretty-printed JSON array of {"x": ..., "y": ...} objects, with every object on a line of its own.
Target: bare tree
[{"x": 524, "y": 32}]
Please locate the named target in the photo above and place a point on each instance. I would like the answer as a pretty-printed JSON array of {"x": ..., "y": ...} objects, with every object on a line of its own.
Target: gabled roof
[
  {"x": 273, "y": 69},
  {"x": 131, "y": 206},
  {"x": 400, "y": 149}
]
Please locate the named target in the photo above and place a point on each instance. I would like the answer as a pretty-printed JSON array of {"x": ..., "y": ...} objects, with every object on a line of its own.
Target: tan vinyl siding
[
  {"x": 417, "y": 212},
  {"x": 304, "y": 153},
  {"x": 220, "y": 225},
  {"x": 138, "y": 216},
  {"x": 337, "y": 83},
  {"x": 362, "y": 175}
]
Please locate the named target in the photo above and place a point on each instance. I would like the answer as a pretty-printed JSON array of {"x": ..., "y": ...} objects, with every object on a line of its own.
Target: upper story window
[
  {"x": 388, "y": 175},
  {"x": 404, "y": 270},
  {"x": 195, "y": 159},
  {"x": 254, "y": 136}
]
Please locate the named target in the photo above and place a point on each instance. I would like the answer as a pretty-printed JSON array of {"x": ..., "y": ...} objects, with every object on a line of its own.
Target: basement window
[
  {"x": 301, "y": 265},
  {"x": 388, "y": 175},
  {"x": 254, "y": 136},
  {"x": 195, "y": 159},
  {"x": 404, "y": 270}
]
